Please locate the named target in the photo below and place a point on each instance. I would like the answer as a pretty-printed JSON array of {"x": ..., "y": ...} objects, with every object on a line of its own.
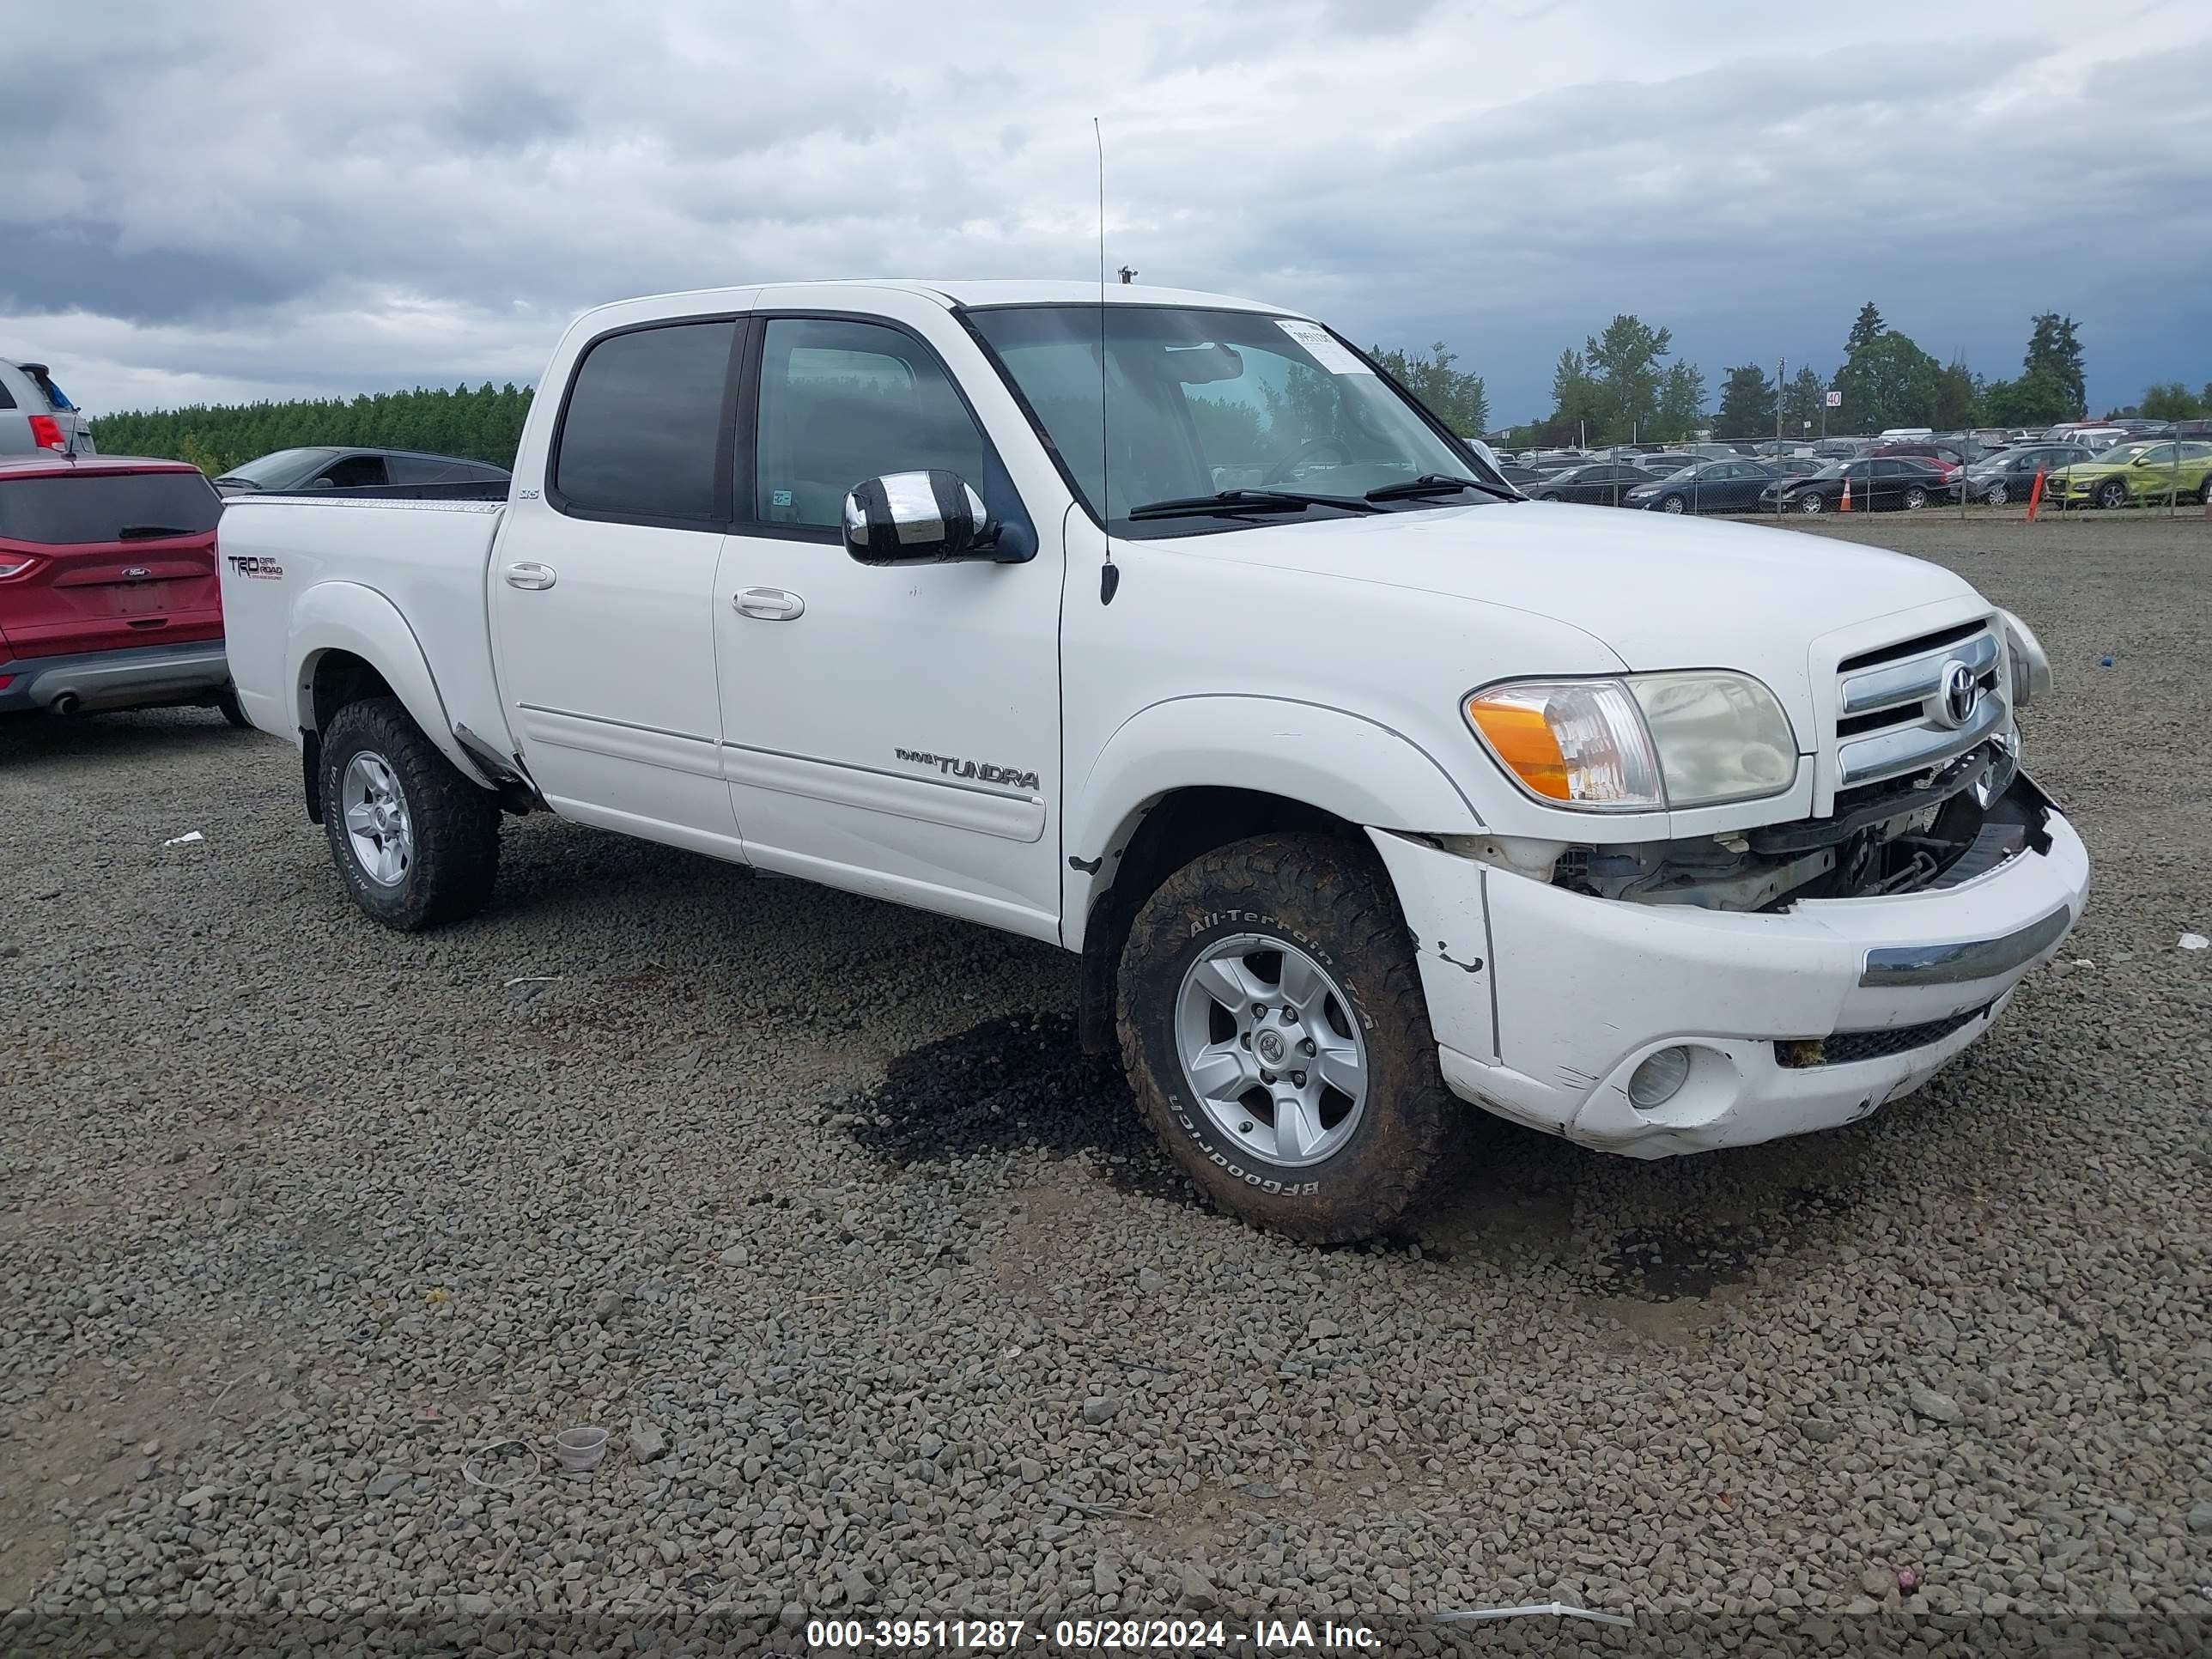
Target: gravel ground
[{"x": 889, "y": 1305}]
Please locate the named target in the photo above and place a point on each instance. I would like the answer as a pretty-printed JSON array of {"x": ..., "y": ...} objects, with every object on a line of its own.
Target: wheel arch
[
  {"x": 348, "y": 642},
  {"x": 1183, "y": 777}
]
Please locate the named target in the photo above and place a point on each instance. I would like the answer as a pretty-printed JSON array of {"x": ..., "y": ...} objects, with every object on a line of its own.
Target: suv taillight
[{"x": 46, "y": 433}]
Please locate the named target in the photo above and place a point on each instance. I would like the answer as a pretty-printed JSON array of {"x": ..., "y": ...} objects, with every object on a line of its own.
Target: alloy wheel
[
  {"x": 1270, "y": 1050},
  {"x": 376, "y": 824}
]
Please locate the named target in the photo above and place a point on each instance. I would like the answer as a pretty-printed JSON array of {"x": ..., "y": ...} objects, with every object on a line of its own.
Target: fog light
[{"x": 1658, "y": 1079}]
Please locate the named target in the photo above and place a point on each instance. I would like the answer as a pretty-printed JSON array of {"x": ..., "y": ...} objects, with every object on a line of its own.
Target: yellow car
[{"x": 2145, "y": 470}]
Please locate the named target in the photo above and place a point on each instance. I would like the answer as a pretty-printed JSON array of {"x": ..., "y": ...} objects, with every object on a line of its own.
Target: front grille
[
  {"x": 1846, "y": 1047},
  {"x": 1890, "y": 719}
]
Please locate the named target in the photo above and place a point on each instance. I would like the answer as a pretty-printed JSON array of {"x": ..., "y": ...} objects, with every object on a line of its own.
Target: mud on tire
[
  {"x": 1329, "y": 898},
  {"x": 454, "y": 824}
]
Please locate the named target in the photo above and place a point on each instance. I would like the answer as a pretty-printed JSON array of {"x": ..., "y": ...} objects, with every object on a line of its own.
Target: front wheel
[
  {"x": 1813, "y": 503},
  {"x": 1998, "y": 494},
  {"x": 2112, "y": 494},
  {"x": 2204, "y": 490},
  {"x": 417, "y": 842},
  {"x": 1674, "y": 504},
  {"x": 1272, "y": 1022}
]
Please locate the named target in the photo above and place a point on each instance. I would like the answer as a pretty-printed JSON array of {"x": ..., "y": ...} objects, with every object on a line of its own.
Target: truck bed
[{"x": 393, "y": 570}]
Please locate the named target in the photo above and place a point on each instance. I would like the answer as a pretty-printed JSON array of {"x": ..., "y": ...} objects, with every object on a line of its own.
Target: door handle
[
  {"x": 531, "y": 576},
  {"x": 769, "y": 603}
]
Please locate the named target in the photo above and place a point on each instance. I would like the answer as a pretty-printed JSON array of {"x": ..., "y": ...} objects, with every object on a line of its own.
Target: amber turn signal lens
[{"x": 1521, "y": 737}]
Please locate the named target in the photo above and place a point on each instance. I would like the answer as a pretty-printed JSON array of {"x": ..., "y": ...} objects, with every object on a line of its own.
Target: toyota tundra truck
[{"x": 1166, "y": 628}]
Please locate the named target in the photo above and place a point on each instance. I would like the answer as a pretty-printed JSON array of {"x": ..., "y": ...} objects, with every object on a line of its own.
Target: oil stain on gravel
[
  {"x": 1011, "y": 1084},
  {"x": 1667, "y": 1264}
]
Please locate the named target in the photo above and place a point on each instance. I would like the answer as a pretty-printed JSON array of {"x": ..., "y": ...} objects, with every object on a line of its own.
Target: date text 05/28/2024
[{"x": 1013, "y": 1635}]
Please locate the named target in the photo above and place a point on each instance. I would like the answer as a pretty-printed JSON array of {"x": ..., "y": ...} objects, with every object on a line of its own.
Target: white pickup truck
[{"x": 1366, "y": 789}]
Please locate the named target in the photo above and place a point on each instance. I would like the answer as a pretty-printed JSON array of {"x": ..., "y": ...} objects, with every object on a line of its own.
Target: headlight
[
  {"x": 1647, "y": 743},
  {"x": 2031, "y": 669}
]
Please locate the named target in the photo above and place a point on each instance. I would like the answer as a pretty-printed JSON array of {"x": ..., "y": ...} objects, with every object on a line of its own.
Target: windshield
[
  {"x": 1199, "y": 402},
  {"x": 284, "y": 466},
  {"x": 2123, "y": 451}
]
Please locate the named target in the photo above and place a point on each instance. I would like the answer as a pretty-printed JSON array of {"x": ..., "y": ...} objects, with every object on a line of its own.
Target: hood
[{"x": 1656, "y": 591}]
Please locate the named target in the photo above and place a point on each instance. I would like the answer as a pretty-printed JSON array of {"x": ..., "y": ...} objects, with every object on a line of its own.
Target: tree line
[
  {"x": 482, "y": 424},
  {"x": 1620, "y": 388}
]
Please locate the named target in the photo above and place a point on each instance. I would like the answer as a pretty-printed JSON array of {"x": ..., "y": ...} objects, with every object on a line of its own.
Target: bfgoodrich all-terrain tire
[
  {"x": 1272, "y": 1022},
  {"x": 417, "y": 842}
]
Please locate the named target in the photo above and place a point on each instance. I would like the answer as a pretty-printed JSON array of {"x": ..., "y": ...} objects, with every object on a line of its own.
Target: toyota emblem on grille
[{"x": 1959, "y": 694}]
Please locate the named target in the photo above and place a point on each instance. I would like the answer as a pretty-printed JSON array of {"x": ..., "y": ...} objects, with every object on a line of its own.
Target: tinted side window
[
  {"x": 424, "y": 470},
  {"x": 841, "y": 403},
  {"x": 356, "y": 470},
  {"x": 7, "y": 397},
  {"x": 642, "y": 431}
]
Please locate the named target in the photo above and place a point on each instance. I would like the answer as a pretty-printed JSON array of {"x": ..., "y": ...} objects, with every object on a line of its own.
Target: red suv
[{"x": 108, "y": 596}]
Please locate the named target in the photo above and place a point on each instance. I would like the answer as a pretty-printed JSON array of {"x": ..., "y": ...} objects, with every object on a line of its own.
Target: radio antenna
[{"x": 1109, "y": 578}]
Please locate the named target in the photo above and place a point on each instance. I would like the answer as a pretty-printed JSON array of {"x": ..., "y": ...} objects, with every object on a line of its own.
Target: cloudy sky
[{"x": 232, "y": 199}]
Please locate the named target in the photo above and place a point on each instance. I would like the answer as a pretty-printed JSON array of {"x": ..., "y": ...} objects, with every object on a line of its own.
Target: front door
[
  {"x": 893, "y": 730},
  {"x": 603, "y": 591}
]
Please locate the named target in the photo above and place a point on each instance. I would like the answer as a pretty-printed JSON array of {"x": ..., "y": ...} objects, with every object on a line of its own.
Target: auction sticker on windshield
[{"x": 1322, "y": 347}]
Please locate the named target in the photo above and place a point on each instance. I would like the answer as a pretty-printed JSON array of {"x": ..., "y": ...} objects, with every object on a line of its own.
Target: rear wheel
[
  {"x": 1273, "y": 1023},
  {"x": 417, "y": 842},
  {"x": 1916, "y": 497},
  {"x": 2204, "y": 490}
]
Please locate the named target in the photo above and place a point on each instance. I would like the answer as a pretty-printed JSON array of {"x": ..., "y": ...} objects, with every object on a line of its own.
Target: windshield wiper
[
  {"x": 1431, "y": 483},
  {"x": 1246, "y": 500},
  {"x": 145, "y": 532}
]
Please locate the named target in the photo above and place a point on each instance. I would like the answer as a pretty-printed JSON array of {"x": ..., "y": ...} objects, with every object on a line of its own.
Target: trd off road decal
[
  {"x": 245, "y": 564},
  {"x": 1013, "y": 777}
]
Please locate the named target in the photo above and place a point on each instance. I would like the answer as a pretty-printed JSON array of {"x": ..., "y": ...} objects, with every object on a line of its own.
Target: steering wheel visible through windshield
[{"x": 1276, "y": 414}]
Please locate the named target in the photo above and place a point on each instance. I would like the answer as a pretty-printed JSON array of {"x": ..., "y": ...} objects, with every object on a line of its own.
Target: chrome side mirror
[{"x": 917, "y": 518}]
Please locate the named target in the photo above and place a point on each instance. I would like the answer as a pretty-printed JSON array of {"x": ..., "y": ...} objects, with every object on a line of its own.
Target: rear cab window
[
  {"x": 73, "y": 509},
  {"x": 644, "y": 435}
]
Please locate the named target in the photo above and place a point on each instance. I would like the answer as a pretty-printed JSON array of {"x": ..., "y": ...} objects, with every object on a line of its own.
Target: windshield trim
[{"x": 965, "y": 316}]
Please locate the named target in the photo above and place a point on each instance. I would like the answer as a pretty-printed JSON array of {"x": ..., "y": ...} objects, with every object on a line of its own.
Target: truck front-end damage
[{"x": 1662, "y": 996}]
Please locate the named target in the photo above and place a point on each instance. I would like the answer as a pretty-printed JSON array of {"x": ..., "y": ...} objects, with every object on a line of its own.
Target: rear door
[
  {"x": 97, "y": 560},
  {"x": 602, "y": 587}
]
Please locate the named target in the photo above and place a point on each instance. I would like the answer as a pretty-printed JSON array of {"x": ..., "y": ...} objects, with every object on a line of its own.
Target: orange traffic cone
[
  {"x": 1846, "y": 506},
  {"x": 2035, "y": 495}
]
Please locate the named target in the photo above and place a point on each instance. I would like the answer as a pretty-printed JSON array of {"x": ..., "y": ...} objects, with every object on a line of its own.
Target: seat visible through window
[{"x": 844, "y": 402}]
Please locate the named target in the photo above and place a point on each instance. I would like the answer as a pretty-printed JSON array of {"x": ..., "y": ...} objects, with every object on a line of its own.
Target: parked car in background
[
  {"x": 2150, "y": 469},
  {"x": 327, "y": 467},
  {"x": 1878, "y": 484},
  {"x": 1705, "y": 487},
  {"x": 1931, "y": 449},
  {"x": 1598, "y": 484},
  {"x": 2093, "y": 437},
  {"x": 1520, "y": 476},
  {"x": 35, "y": 417},
  {"x": 1661, "y": 462},
  {"x": 108, "y": 593},
  {"x": 2009, "y": 474}
]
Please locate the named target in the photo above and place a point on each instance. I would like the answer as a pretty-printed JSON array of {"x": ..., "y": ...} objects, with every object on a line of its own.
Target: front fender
[
  {"x": 349, "y": 616},
  {"x": 1359, "y": 770}
]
